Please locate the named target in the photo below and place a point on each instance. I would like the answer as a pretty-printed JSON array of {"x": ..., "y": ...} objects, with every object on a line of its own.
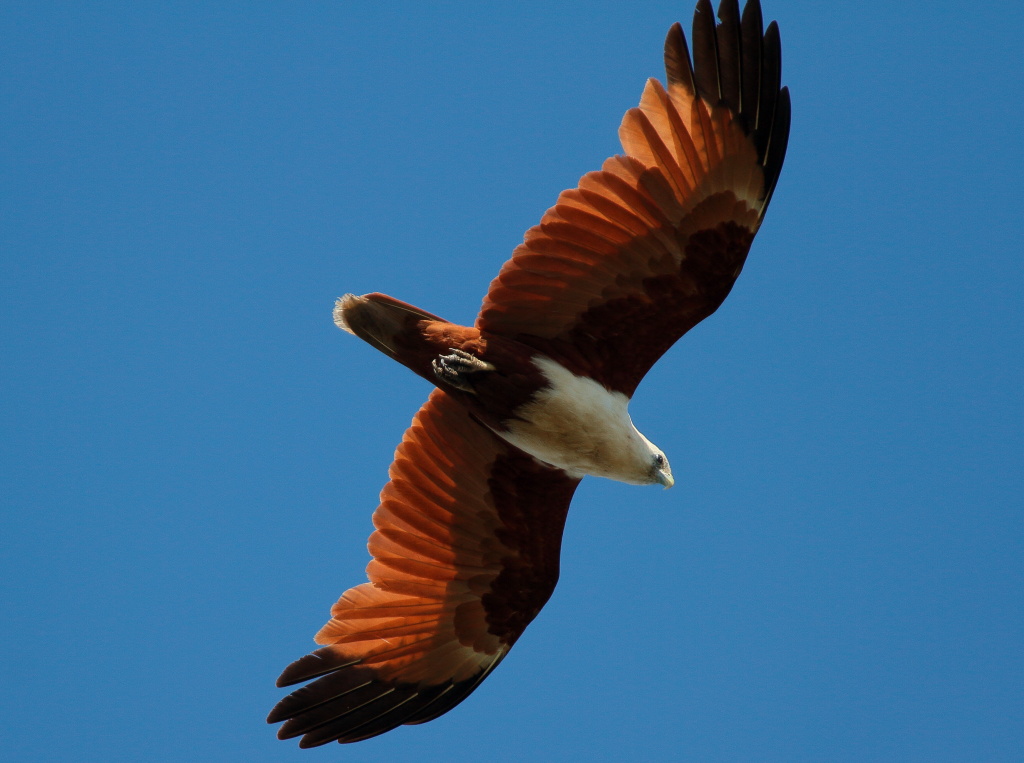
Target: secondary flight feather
[{"x": 534, "y": 396}]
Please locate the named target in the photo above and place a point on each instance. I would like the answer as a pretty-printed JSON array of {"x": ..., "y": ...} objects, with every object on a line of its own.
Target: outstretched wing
[
  {"x": 465, "y": 554},
  {"x": 650, "y": 245}
]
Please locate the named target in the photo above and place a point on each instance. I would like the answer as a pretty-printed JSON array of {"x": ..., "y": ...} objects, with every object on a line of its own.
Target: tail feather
[{"x": 377, "y": 319}]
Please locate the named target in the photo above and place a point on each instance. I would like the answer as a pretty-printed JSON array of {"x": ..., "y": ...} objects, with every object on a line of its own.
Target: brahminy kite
[{"x": 534, "y": 396}]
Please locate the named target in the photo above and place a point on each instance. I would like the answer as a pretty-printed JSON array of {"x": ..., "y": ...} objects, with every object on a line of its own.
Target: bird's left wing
[
  {"x": 465, "y": 554},
  {"x": 651, "y": 244}
]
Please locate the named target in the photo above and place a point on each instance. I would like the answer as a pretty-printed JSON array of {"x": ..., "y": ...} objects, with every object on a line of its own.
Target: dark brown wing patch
[
  {"x": 465, "y": 554},
  {"x": 531, "y": 530}
]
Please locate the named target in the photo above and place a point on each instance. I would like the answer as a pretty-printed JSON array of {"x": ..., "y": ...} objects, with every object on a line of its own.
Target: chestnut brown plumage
[{"x": 468, "y": 531}]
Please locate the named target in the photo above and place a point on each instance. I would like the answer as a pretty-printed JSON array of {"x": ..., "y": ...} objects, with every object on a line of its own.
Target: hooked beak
[{"x": 664, "y": 477}]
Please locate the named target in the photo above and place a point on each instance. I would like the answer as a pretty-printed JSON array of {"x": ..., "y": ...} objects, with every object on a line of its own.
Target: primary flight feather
[{"x": 534, "y": 396}]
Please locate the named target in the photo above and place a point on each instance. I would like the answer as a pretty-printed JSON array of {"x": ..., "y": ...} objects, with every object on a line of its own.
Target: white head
[{"x": 659, "y": 470}]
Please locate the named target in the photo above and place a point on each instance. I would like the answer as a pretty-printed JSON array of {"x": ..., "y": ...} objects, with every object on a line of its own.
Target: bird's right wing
[
  {"x": 651, "y": 244},
  {"x": 465, "y": 554}
]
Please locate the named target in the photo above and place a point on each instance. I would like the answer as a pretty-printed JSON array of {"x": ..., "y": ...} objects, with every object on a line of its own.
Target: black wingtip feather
[
  {"x": 738, "y": 63},
  {"x": 677, "y": 59},
  {"x": 772, "y": 133},
  {"x": 751, "y": 32},
  {"x": 705, "y": 53},
  {"x": 348, "y": 702},
  {"x": 313, "y": 665},
  {"x": 730, "y": 47},
  {"x": 777, "y": 145}
]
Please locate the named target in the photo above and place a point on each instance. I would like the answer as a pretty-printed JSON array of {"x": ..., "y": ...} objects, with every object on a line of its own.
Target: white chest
[{"x": 580, "y": 426}]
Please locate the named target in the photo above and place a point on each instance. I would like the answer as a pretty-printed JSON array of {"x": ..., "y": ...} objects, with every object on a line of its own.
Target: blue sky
[{"x": 191, "y": 451}]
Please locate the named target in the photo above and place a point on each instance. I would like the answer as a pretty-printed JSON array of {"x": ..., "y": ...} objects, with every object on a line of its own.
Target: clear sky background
[{"x": 191, "y": 450}]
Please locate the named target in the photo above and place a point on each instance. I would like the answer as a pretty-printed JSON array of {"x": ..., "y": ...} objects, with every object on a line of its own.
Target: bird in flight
[{"x": 534, "y": 396}]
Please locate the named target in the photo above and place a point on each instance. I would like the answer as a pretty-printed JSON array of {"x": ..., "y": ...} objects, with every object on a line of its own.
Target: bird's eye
[{"x": 659, "y": 460}]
